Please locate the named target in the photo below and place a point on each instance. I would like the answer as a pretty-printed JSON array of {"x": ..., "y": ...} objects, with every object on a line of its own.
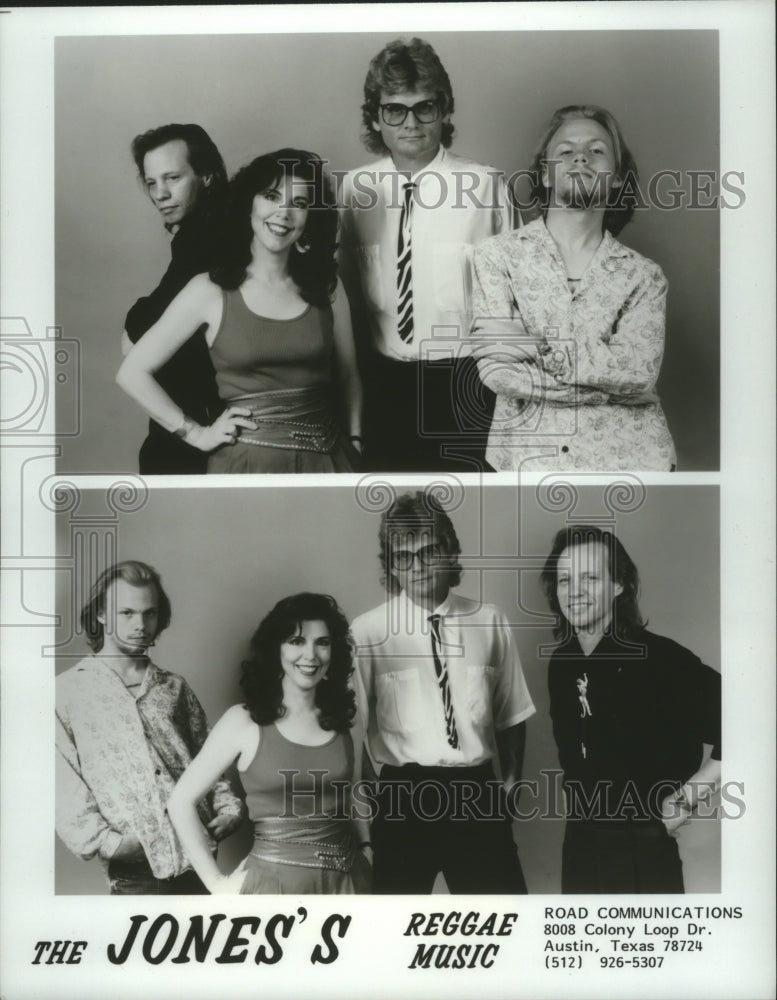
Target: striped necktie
[
  {"x": 441, "y": 669},
  {"x": 404, "y": 268}
]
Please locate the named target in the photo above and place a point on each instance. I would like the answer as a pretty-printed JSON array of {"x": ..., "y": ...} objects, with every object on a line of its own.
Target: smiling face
[
  {"x": 280, "y": 213},
  {"x": 421, "y": 565},
  {"x": 580, "y": 162},
  {"x": 130, "y": 619},
  {"x": 412, "y": 144},
  {"x": 585, "y": 588},
  {"x": 305, "y": 656},
  {"x": 171, "y": 182}
]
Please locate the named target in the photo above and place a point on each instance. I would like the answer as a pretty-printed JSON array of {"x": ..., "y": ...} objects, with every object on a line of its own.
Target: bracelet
[
  {"x": 355, "y": 437},
  {"x": 365, "y": 843},
  {"x": 187, "y": 425}
]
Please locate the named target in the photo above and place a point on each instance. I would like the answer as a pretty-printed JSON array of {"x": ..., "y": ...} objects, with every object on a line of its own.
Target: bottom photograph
[{"x": 389, "y": 689}]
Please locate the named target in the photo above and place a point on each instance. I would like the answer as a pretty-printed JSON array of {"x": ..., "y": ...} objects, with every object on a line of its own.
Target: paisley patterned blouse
[
  {"x": 119, "y": 758},
  {"x": 585, "y": 399}
]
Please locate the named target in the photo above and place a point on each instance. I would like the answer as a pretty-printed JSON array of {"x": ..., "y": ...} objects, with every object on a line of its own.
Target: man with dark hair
[
  {"x": 441, "y": 695},
  {"x": 184, "y": 176},
  {"x": 636, "y": 719},
  {"x": 409, "y": 224},
  {"x": 125, "y": 732}
]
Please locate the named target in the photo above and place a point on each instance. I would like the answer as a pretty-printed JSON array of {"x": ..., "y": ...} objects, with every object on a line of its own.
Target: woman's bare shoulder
[
  {"x": 238, "y": 715},
  {"x": 203, "y": 287}
]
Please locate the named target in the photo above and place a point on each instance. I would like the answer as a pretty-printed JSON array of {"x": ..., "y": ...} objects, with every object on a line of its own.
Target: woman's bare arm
[
  {"x": 227, "y": 740},
  {"x": 347, "y": 370},
  {"x": 200, "y": 303}
]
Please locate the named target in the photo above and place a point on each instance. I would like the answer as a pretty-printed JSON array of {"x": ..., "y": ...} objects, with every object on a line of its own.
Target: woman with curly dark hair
[
  {"x": 295, "y": 756},
  {"x": 278, "y": 327}
]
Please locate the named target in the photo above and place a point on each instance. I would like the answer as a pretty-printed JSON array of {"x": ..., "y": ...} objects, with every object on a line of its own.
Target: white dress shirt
[
  {"x": 457, "y": 204},
  {"x": 398, "y": 697}
]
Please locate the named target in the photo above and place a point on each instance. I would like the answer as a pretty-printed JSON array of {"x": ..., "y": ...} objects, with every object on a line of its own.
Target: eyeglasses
[
  {"x": 403, "y": 559},
  {"x": 424, "y": 112}
]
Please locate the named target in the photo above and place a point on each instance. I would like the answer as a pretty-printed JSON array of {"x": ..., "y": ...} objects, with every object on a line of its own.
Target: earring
[{"x": 301, "y": 247}]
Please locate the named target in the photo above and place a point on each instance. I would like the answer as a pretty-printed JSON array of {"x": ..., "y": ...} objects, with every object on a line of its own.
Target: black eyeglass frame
[
  {"x": 403, "y": 560},
  {"x": 407, "y": 109}
]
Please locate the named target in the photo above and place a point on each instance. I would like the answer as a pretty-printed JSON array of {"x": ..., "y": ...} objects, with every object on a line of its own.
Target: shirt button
[
  {"x": 565, "y": 448},
  {"x": 158, "y": 771}
]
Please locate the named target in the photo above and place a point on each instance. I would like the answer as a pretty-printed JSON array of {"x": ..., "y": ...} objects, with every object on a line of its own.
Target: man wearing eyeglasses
[
  {"x": 440, "y": 696},
  {"x": 409, "y": 223}
]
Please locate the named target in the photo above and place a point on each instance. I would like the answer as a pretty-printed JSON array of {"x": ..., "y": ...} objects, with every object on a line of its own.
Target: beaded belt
[
  {"x": 293, "y": 419},
  {"x": 311, "y": 843}
]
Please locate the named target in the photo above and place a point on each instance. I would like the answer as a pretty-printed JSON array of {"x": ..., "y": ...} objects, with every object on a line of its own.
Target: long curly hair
[
  {"x": 262, "y": 673},
  {"x": 404, "y": 66},
  {"x": 626, "y": 616},
  {"x": 314, "y": 271},
  {"x": 622, "y": 200}
]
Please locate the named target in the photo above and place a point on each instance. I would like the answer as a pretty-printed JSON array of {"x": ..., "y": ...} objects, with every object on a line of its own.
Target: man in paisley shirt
[
  {"x": 636, "y": 719},
  {"x": 569, "y": 322},
  {"x": 125, "y": 732},
  {"x": 442, "y": 697}
]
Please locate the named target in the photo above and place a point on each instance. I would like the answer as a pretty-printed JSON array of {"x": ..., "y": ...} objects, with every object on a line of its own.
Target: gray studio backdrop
[
  {"x": 227, "y": 555},
  {"x": 255, "y": 93}
]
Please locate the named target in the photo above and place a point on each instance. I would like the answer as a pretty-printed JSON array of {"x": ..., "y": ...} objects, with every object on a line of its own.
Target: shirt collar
[
  {"x": 420, "y": 613},
  {"x": 100, "y": 665},
  {"x": 609, "y": 646},
  {"x": 537, "y": 232},
  {"x": 438, "y": 163}
]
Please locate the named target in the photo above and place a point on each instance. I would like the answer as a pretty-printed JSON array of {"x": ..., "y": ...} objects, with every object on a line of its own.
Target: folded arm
[
  {"x": 626, "y": 366},
  {"x": 508, "y": 355}
]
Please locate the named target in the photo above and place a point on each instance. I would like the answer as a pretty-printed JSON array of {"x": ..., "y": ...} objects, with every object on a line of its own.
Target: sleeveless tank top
[
  {"x": 271, "y": 794},
  {"x": 253, "y": 354}
]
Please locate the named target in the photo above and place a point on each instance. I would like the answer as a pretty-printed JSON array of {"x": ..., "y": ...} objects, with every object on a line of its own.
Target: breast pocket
[
  {"x": 371, "y": 278},
  {"x": 399, "y": 707},
  {"x": 452, "y": 277},
  {"x": 480, "y": 681}
]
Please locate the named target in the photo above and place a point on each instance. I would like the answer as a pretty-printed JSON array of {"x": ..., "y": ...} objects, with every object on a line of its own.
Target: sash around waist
[
  {"x": 297, "y": 419},
  {"x": 309, "y": 843}
]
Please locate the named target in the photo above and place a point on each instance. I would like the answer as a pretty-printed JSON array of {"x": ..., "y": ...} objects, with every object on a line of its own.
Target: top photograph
[{"x": 463, "y": 252}]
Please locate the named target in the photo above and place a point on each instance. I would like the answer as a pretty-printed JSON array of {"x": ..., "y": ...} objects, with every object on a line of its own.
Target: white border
[{"x": 741, "y": 962}]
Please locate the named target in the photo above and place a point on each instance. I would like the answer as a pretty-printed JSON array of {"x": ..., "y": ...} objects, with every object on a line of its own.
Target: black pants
[
  {"x": 429, "y": 417},
  {"x": 601, "y": 856},
  {"x": 443, "y": 819},
  {"x": 135, "y": 878},
  {"x": 165, "y": 454}
]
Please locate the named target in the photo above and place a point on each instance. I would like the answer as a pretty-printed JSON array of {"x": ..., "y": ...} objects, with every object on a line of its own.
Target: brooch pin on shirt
[{"x": 585, "y": 708}]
